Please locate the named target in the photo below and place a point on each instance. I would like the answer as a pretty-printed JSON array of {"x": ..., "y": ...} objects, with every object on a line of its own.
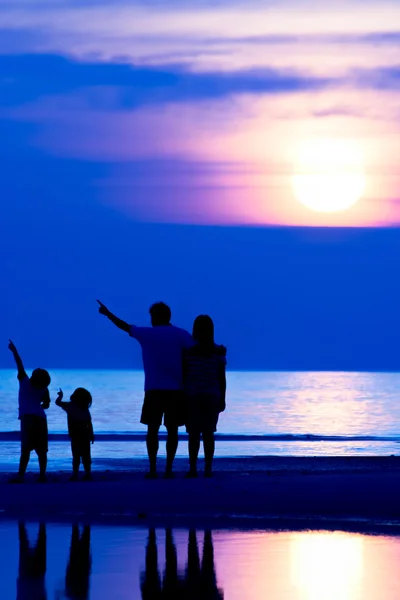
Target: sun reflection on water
[{"x": 327, "y": 566}]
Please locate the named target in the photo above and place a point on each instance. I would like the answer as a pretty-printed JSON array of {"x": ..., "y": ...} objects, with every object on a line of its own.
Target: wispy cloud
[
  {"x": 205, "y": 82},
  {"x": 204, "y": 34},
  {"x": 384, "y": 78},
  {"x": 25, "y": 78}
]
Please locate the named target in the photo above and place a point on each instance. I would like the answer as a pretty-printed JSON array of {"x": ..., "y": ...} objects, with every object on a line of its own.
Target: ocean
[{"x": 268, "y": 413}]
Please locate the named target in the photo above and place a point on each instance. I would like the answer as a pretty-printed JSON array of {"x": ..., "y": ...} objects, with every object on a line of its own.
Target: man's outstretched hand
[
  {"x": 103, "y": 310},
  {"x": 11, "y": 346}
]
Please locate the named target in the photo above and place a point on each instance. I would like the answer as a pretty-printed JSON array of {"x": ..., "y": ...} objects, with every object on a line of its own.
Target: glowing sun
[{"x": 328, "y": 175}]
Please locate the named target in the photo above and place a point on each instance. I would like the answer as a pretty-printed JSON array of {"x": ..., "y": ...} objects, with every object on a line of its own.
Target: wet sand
[{"x": 256, "y": 491}]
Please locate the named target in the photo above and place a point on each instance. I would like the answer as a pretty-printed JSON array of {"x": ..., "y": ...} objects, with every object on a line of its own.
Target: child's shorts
[{"x": 34, "y": 434}]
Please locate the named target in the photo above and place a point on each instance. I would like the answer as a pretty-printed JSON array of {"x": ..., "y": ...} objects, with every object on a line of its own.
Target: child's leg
[
  {"x": 42, "y": 457},
  {"x": 26, "y": 446},
  {"x": 23, "y": 462},
  {"x": 40, "y": 435},
  {"x": 86, "y": 458},
  {"x": 76, "y": 456}
]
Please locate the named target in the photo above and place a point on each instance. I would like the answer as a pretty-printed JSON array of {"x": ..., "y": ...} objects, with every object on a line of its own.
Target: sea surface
[
  {"x": 61, "y": 561},
  {"x": 283, "y": 413}
]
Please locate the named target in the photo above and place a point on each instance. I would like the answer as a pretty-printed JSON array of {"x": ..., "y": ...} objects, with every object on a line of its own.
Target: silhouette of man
[
  {"x": 77, "y": 575},
  {"x": 32, "y": 565},
  {"x": 162, "y": 347}
]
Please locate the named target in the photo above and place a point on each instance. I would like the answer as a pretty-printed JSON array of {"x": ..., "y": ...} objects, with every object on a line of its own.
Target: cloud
[
  {"x": 26, "y": 78},
  {"x": 383, "y": 78}
]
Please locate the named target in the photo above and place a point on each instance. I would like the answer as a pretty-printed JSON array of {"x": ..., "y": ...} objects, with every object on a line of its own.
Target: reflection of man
[
  {"x": 32, "y": 565},
  {"x": 150, "y": 583},
  {"x": 171, "y": 580},
  {"x": 77, "y": 576},
  {"x": 162, "y": 345}
]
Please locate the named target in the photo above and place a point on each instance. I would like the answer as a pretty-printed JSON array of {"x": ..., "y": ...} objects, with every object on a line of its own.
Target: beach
[{"x": 253, "y": 491}]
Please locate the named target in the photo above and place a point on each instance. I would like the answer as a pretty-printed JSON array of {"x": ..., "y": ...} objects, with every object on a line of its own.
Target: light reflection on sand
[
  {"x": 312, "y": 559},
  {"x": 88, "y": 562}
]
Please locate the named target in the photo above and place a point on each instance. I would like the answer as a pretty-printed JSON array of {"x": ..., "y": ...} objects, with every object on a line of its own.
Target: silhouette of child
[
  {"x": 32, "y": 565},
  {"x": 77, "y": 576},
  {"x": 33, "y": 400},
  {"x": 205, "y": 386},
  {"x": 80, "y": 429}
]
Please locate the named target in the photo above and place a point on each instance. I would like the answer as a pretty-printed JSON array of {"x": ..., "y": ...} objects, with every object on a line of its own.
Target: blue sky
[{"x": 149, "y": 151}]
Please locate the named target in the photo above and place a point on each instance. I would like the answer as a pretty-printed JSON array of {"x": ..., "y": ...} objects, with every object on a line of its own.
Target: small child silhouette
[
  {"x": 33, "y": 400},
  {"x": 80, "y": 429}
]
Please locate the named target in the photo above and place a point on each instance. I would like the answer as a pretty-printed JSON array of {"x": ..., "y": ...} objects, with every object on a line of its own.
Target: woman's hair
[
  {"x": 82, "y": 398},
  {"x": 203, "y": 331}
]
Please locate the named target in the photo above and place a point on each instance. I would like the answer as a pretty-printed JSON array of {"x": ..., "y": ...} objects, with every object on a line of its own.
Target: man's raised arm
[
  {"x": 103, "y": 310},
  {"x": 18, "y": 360}
]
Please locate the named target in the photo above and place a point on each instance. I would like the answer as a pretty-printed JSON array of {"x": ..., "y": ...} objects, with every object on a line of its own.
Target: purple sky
[{"x": 200, "y": 113}]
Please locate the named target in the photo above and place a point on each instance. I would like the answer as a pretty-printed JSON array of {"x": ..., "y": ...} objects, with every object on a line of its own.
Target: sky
[{"x": 181, "y": 151}]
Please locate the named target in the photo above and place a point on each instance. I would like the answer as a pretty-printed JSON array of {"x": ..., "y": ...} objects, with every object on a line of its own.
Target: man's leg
[
  {"x": 152, "y": 448},
  {"x": 172, "y": 445}
]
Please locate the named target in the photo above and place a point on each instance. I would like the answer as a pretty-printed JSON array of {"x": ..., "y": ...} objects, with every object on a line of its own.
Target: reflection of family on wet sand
[
  {"x": 197, "y": 582},
  {"x": 31, "y": 583}
]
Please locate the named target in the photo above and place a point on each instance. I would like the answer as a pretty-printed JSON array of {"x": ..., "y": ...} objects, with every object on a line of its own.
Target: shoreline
[{"x": 250, "y": 492}]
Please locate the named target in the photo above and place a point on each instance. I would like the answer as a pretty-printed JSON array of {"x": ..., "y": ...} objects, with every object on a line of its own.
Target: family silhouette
[{"x": 185, "y": 385}]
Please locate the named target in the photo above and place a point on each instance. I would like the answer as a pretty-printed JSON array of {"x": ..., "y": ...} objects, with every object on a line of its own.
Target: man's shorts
[
  {"x": 170, "y": 404},
  {"x": 34, "y": 434}
]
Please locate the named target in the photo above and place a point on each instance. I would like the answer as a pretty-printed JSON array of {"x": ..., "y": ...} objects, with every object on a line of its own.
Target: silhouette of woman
[{"x": 205, "y": 386}]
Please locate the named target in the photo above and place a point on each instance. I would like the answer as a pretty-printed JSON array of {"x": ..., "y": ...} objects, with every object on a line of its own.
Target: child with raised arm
[
  {"x": 33, "y": 400},
  {"x": 80, "y": 429}
]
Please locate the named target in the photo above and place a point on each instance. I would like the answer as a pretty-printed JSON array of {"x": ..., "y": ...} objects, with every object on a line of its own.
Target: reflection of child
[
  {"x": 80, "y": 429},
  {"x": 33, "y": 399},
  {"x": 32, "y": 565}
]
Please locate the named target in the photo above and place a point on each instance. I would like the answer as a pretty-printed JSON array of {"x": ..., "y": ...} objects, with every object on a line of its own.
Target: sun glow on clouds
[{"x": 289, "y": 86}]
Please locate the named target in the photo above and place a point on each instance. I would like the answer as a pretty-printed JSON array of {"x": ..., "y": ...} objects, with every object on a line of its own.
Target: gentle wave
[{"x": 14, "y": 436}]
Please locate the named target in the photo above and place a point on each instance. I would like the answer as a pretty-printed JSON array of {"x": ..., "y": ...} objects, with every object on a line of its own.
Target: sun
[{"x": 328, "y": 174}]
